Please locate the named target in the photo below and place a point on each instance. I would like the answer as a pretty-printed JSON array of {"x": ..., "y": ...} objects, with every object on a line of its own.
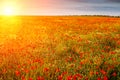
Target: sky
[{"x": 64, "y": 7}]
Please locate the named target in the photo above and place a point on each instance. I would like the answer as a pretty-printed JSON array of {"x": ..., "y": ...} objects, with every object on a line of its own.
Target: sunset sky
[{"x": 62, "y": 7}]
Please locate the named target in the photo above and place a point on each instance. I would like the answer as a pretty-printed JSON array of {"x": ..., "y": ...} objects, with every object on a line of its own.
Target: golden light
[
  {"x": 9, "y": 21},
  {"x": 9, "y": 9}
]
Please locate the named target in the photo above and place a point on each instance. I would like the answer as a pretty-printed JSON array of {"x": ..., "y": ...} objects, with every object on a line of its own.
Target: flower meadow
[{"x": 59, "y": 48}]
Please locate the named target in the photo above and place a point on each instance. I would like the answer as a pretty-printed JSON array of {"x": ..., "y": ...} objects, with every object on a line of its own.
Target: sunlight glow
[{"x": 9, "y": 9}]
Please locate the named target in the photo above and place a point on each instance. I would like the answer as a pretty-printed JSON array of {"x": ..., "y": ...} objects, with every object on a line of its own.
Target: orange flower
[
  {"x": 4, "y": 71},
  {"x": 114, "y": 74},
  {"x": 81, "y": 63},
  {"x": 79, "y": 75},
  {"x": 86, "y": 78},
  {"x": 30, "y": 79},
  {"x": 91, "y": 73},
  {"x": 98, "y": 78},
  {"x": 46, "y": 69},
  {"x": 64, "y": 73},
  {"x": 23, "y": 78},
  {"x": 33, "y": 67},
  {"x": 103, "y": 72},
  {"x": 70, "y": 59},
  {"x": 112, "y": 52},
  {"x": 19, "y": 66},
  {"x": 40, "y": 78},
  {"x": 17, "y": 73},
  {"x": 57, "y": 70},
  {"x": 60, "y": 77},
  {"x": 26, "y": 70},
  {"x": 69, "y": 77},
  {"x": 105, "y": 78},
  {"x": 74, "y": 77},
  {"x": 97, "y": 73},
  {"x": 118, "y": 42}
]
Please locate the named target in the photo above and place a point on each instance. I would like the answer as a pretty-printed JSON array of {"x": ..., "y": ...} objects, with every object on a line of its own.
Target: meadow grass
[{"x": 60, "y": 48}]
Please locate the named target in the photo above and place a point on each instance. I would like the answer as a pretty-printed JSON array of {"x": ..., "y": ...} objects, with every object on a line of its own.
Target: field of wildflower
[{"x": 59, "y": 48}]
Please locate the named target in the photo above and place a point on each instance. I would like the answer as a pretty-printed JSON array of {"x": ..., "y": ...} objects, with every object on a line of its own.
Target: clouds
[
  {"x": 101, "y": 7},
  {"x": 114, "y": 1},
  {"x": 95, "y": 1},
  {"x": 91, "y": 1},
  {"x": 70, "y": 7}
]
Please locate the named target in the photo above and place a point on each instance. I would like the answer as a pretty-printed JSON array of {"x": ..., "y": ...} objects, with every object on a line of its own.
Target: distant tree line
[{"x": 95, "y": 15}]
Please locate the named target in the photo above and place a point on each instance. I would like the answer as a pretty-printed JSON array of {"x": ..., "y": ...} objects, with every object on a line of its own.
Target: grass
[{"x": 59, "y": 48}]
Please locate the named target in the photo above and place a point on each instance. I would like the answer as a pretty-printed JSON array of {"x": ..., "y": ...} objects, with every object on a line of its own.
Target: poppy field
[{"x": 59, "y": 48}]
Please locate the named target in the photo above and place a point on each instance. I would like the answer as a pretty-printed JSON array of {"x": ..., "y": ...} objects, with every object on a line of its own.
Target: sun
[{"x": 8, "y": 10}]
